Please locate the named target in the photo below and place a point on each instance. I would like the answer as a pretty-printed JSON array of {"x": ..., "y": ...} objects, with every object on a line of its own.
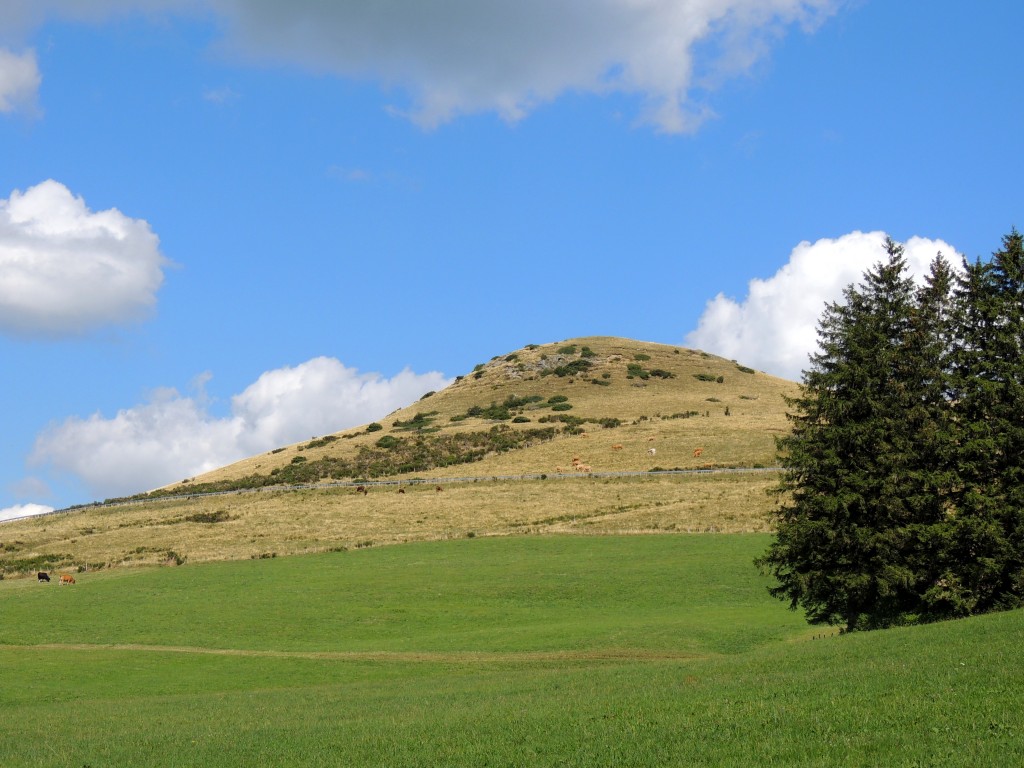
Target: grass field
[{"x": 559, "y": 650}]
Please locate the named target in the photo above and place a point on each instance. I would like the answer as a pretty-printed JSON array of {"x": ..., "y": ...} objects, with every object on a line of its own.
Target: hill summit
[{"x": 518, "y": 412}]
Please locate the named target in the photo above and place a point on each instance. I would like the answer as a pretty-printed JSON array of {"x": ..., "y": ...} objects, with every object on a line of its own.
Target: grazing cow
[
  {"x": 583, "y": 468},
  {"x": 401, "y": 490},
  {"x": 575, "y": 460},
  {"x": 439, "y": 489},
  {"x": 651, "y": 451},
  {"x": 650, "y": 439},
  {"x": 43, "y": 576},
  {"x": 617, "y": 447},
  {"x": 697, "y": 452},
  {"x": 558, "y": 470},
  {"x": 362, "y": 489},
  {"x": 66, "y": 578}
]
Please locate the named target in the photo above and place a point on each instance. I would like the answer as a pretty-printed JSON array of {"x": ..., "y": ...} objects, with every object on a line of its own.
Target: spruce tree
[
  {"x": 983, "y": 557},
  {"x": 856, "y": 529}
]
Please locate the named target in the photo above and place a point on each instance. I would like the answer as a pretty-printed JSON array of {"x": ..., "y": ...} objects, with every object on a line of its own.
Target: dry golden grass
[
  {"x": 313, "y": 520},
  {"x": 292, "y": 522}
]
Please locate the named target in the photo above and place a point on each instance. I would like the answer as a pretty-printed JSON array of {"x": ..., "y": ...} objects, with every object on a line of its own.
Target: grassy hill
[
  {"x": 606, "y": 402},
  {"x": 569, "y": 651}
]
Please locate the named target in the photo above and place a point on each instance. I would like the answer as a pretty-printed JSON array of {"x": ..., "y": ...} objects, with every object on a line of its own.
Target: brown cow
[
  {"x": 697, "y": 452},
  {"x": 66, "y": 578},
  {"x": 617, "y": 447},
  {"x": 362, "y": 489},
  {"x": 401, "y": 490},
  {"x": 439, "y": 489}
]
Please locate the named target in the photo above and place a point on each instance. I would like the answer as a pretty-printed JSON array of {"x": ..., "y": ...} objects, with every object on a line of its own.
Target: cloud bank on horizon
[
  {"x": 775, "y": 327},
  {"x": 457, "y": 57},
  {"x": 173, "y": 436}
]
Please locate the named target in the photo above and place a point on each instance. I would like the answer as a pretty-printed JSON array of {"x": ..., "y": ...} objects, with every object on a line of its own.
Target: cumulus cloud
[
  {"x": 775, "y": 327},
  {"x": 65, "y": 269},
  {"x": 23, "y": 510},
  {"x": 465, "y": 56},
  {"x": 174, "y": 436}
]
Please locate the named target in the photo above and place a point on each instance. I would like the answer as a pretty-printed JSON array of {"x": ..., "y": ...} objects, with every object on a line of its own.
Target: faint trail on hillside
[{"x": 429, "y": 657}]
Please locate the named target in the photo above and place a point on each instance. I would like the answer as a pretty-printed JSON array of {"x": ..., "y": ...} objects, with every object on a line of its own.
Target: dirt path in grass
[{"x": 431, "y": 657}]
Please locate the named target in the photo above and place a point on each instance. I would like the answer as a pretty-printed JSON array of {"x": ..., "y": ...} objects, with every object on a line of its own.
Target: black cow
[{"x": 43, "y": 576}]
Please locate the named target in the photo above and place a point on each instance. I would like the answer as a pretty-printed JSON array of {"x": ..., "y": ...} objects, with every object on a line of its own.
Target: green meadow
[{"x": 554, "y": 651}]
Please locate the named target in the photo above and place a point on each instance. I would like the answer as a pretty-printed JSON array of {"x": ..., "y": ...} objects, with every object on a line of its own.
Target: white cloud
[
  {"x": 466, "y": 56},
  {"x": 65, "y": 269},
  {"x": 775, "y": 328},
  {"x": 23, "y": 510},
  {"x": 173, "y": 436},
  {"x": 19, "y": 81}
]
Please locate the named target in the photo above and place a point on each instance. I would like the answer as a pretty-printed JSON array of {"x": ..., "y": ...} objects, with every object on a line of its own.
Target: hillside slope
[
  {"x": 613, "y": 405},
  {"x": 556, "y": 401}
]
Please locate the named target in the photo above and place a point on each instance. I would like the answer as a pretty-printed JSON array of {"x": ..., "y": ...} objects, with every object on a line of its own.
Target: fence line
[{"x": 409, "y": 481}]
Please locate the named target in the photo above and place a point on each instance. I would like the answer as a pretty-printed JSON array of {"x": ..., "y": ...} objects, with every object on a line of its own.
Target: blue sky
[{"x": 230, "y": 226}]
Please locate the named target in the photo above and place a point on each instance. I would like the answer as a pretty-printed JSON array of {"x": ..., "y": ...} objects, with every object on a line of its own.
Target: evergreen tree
[
  {"x": 983, "y": 557},
  {"x": 860, "y": 522}
]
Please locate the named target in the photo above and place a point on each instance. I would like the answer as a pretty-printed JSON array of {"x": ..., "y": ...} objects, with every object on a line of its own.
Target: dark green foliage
[
  {"x": 298, "y": 459},
  {"x": 660, "y": 373},
  {"x": 744, "y": 369},
  {"x": 171, "y": 556},
  {"x": 636, "y": 371},
  {"x": 220, "y": 516},
  {"x": 561, "y": 407},
  {"x": 986, "y": 567},
  {"x": 574, "y": 368},
  {"x": 601, "y": 382},
  {"x": 319, "y": 443},
  {"x": 568, "y": 350},
  {"x": 419, "y": 422},
  {"x": 641, "y": 356},
  {"x": 397, "y": 455},
  {"x": 905, "y": 469},
  {"x": 520, "y": 420},
  {"x": 374, "y": 427},
  {"x": 587, "y": 352},
  {"x": 557, "y": 399},
  {"x": 704, "y": 377},
  {"x": 431, "y": 393}
]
